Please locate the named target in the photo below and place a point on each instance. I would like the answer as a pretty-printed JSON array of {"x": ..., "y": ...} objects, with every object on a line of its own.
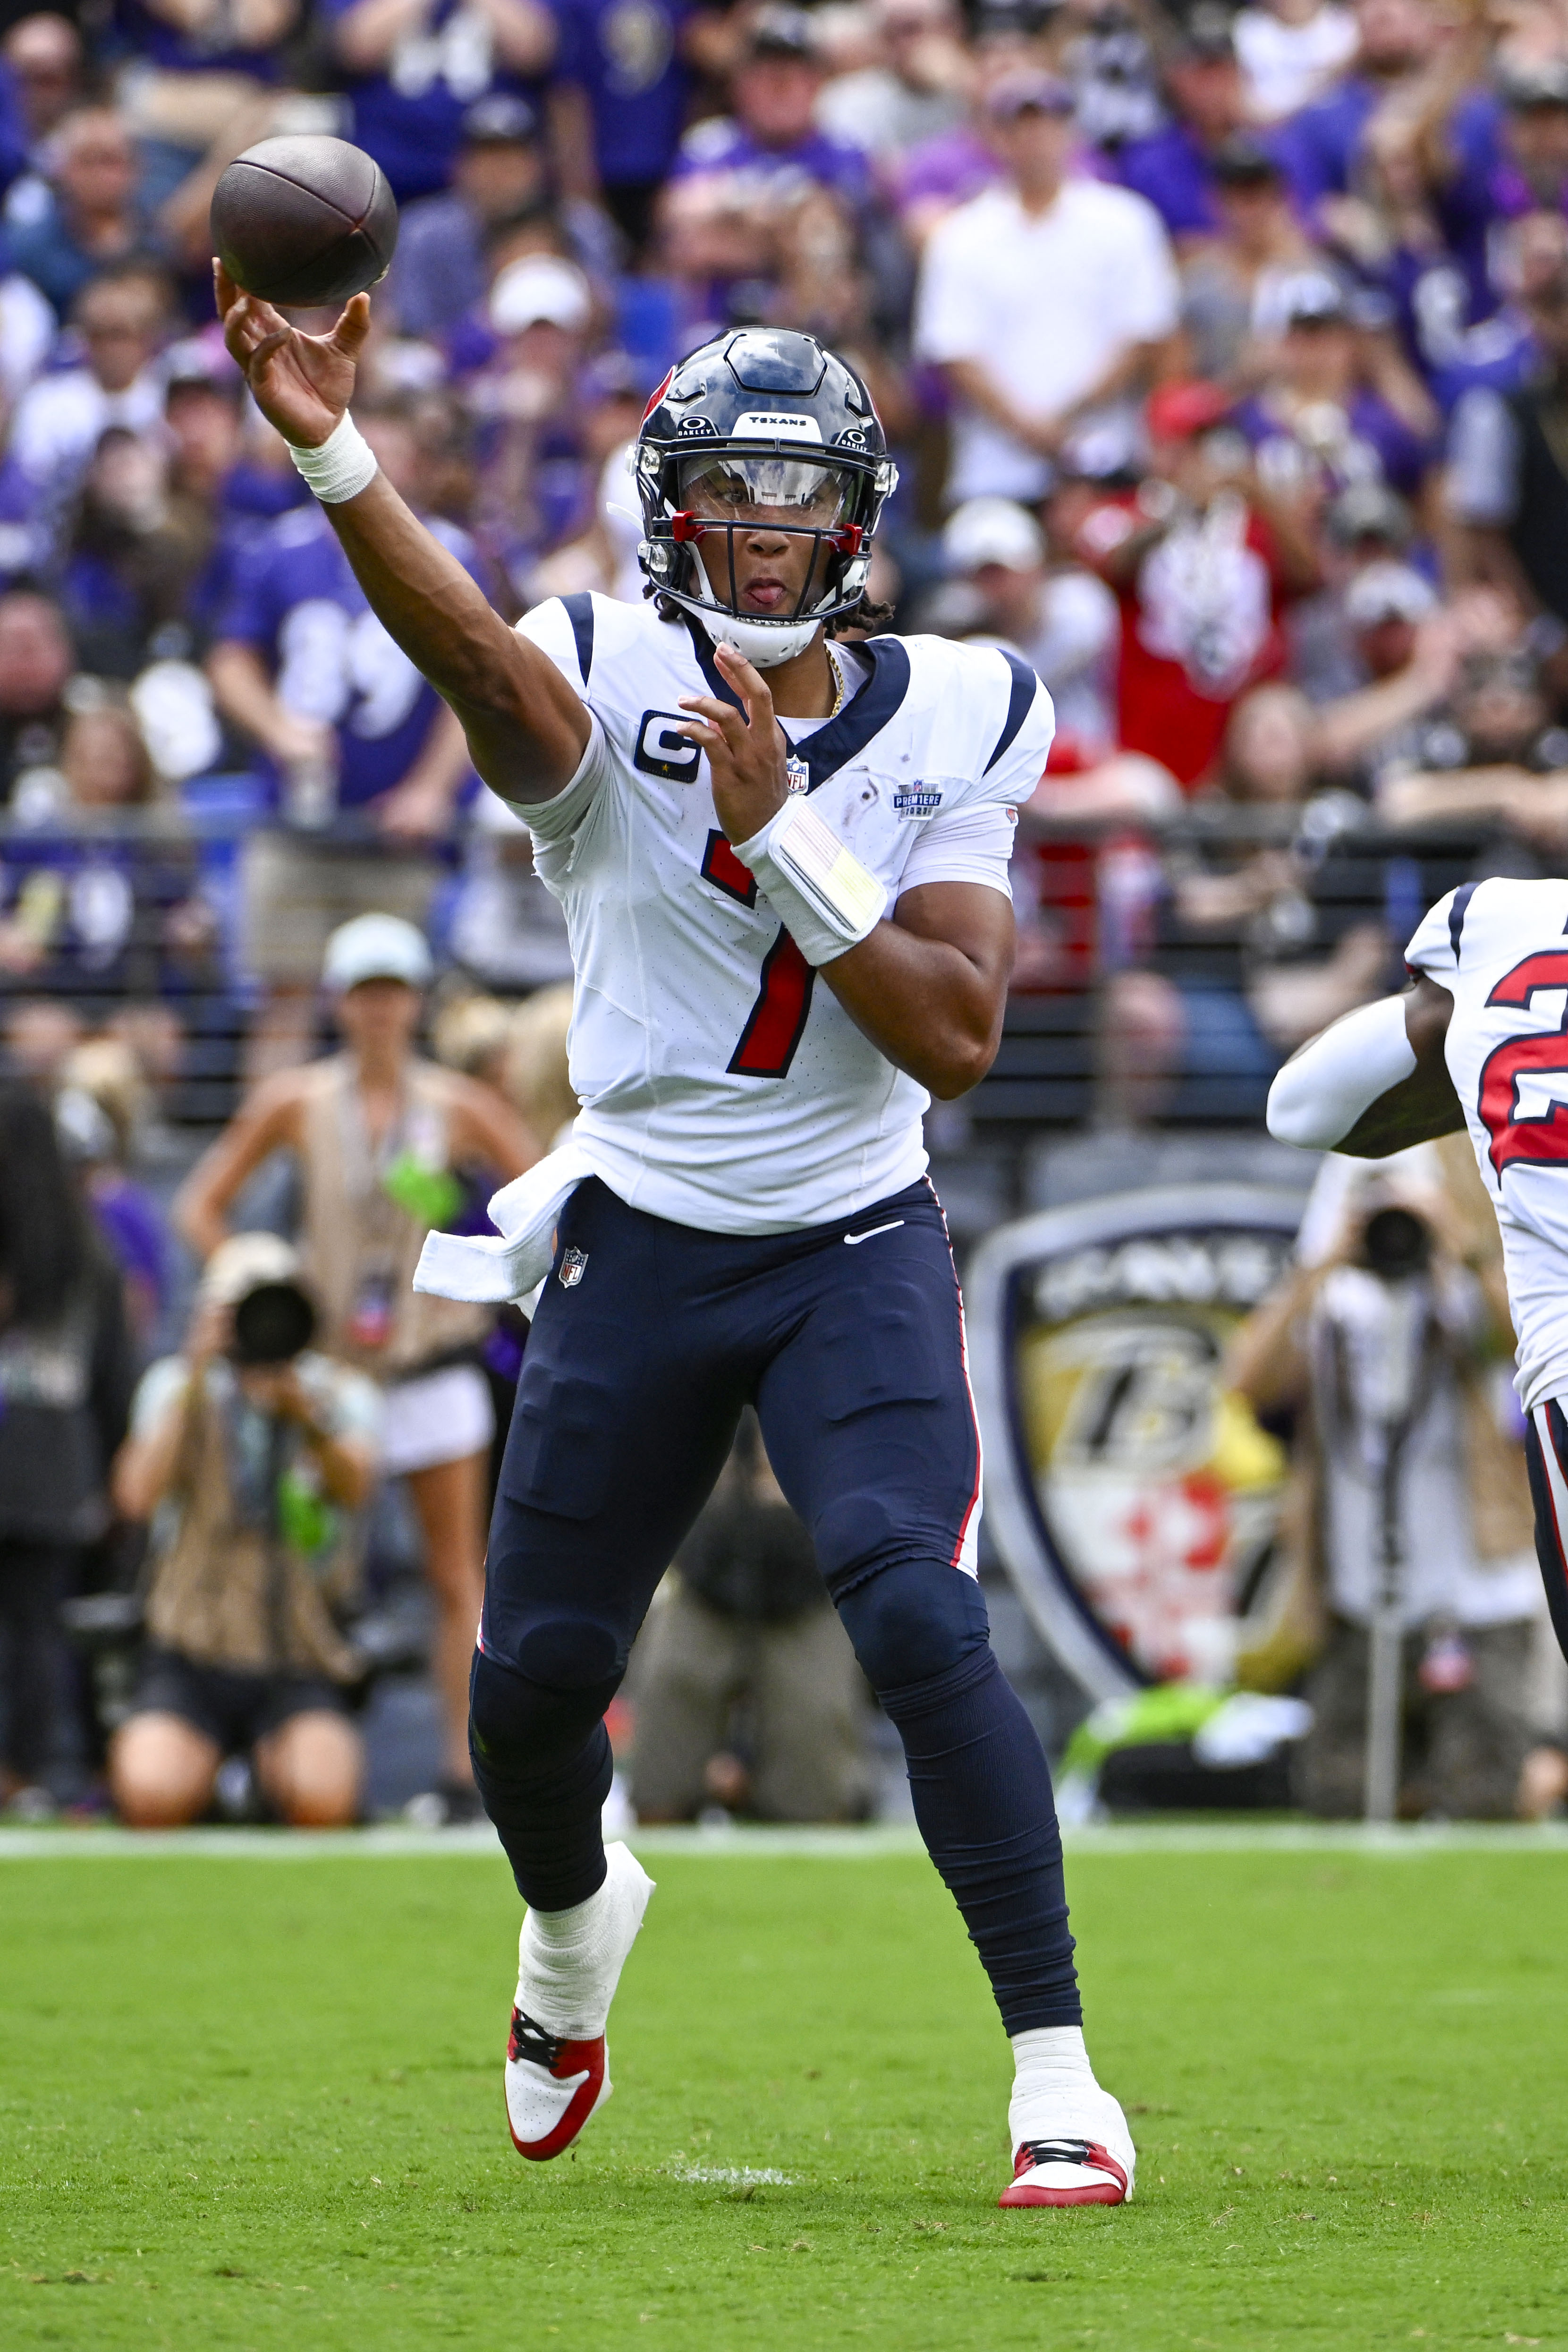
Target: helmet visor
[{"x": 742, "y": 490}]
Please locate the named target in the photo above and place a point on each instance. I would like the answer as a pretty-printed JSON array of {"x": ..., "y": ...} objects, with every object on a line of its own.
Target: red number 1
[{"x": 777, "y": 1021}]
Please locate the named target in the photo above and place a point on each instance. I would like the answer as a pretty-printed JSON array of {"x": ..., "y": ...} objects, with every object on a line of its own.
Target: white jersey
[
  {"x": 722, "y": 1084},
  {"x": 1501, "y": 948}
]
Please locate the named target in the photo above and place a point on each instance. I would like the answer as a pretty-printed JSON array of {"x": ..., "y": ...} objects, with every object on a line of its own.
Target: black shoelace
[{"x": 530, "y": 2041}]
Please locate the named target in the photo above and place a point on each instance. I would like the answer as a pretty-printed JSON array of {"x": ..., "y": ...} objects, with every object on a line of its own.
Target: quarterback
[
  {"x": 1480, "y": 1041},
  {"x": 783, "y": 860}
]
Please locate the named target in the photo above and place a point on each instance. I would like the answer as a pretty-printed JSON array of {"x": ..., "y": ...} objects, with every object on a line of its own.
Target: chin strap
[{"x": 764, "y": 643}]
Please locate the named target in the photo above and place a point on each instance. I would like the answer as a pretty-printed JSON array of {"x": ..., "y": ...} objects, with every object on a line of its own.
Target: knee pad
[
  {"x": 912, "y": 1621},
  {"x": 521, "y": 1724}
]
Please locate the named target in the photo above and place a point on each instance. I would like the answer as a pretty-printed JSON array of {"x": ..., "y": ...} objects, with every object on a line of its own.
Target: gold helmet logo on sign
[{"x": 1134, "y": 1500}]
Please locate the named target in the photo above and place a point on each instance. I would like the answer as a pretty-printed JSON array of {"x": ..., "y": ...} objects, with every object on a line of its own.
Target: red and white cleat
[
  {"x": 553, "y": 2087},
  {"x": 1066, "y": 2172},
  {"x": 568, "y": 1964}
]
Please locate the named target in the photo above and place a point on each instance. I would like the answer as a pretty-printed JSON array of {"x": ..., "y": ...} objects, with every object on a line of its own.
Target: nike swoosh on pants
[{"x": 871, "y": 1232}]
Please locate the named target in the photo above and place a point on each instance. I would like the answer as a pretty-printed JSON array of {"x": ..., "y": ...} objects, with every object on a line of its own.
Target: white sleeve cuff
[
  {"x": 1318, "y": 1098},
  {"x": 558, "y": 818},
  {"x": 827, "y": 899}
]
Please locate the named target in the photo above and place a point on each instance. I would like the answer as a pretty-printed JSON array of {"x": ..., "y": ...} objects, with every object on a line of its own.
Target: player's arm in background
[
  {"x": 1373, "y": 1082},
  {"x": 528, "y": 731}
]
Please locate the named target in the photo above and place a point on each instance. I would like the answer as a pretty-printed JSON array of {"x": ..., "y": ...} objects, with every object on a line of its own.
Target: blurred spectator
[
  {"x": 536, "y": 475},
  {"x": 346, "y": 724},
  {"x": 412, "y": 69},
  {"x": 1322, "y": 146},
  {"x": 1175, "y": 167},
  {"x": 102, "y": 1111},
  {"x": 43, "y": 60},
  {"x": 916, "y": 90},
  {"x": 1492, "y": 760},
  {"x": 37, "y": 659},
  {"x": 90, "y": 217},
  {"x": 1203, "y": 559},
  {"x": 66, "y": 1377},
  {"x": 1237, "y": 977},
  {"x": 1064, "y": 622},
  {"x": 618, "y": 101},
  {"x": 771, "y": 142},
  {"x": 252, "y": 1454},
  {"x": 121, "y": 318},
  {"x": 1315, "y": 424},
  {"x": 106, "y": 912},
  {"x": 1231, "y": 282},
  {"x": 1383, "y": 1340},
  {"x": 744, "y": 1625},
  {"x": 1506, "y": 485},
  {"x": 1044, "y": 301},
  {"x": 1288, "y": 49},
  {"x": 500, "y": 171},
  {"x": 378, "y": 1134}
]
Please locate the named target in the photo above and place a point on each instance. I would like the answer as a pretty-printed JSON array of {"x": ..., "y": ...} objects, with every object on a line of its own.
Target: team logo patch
[
  {"x": 796, "y": 774},
  {"x": 573, "y": 1267},
  {"x": 917, "y": 799}
]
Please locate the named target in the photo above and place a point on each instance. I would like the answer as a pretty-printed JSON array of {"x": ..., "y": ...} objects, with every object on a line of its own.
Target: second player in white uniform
[{"x": 1480, "y": 1040}]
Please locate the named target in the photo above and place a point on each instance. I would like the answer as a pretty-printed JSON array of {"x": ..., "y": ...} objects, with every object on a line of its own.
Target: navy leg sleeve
[
  {"x": 979, "y": 1778},
  {"x": 542, "y": 1768}
]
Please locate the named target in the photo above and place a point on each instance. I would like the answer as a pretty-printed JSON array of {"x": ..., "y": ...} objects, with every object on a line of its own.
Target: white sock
[
  {"x": 1051, "y": 2071},
  {"x": 570, "y": 1962}
]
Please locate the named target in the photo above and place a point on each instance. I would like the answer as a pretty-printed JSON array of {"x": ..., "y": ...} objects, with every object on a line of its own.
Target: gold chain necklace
[{"x": 838, "y": 682}]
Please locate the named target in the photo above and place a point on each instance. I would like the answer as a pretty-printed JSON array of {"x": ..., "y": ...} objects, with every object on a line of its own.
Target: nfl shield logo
[
  {"x": 796, "y": 775},
  {"x": 573, "y": 1267}
]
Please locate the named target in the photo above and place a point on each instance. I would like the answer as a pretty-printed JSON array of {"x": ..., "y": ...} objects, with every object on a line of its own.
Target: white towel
[{"x": 487, "y": 1270}]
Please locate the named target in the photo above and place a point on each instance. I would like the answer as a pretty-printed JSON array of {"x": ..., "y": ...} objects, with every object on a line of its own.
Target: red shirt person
[{"x": 1203, "y": 560}]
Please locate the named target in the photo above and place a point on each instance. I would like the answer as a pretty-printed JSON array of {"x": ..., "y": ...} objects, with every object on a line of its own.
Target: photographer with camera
[
  {"x": 1418, "y": 1506},
  {"x": 251, "y": 1455}
]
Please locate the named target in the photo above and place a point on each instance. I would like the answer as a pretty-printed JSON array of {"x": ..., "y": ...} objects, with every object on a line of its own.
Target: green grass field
[{"x": 256, "y": 2102}]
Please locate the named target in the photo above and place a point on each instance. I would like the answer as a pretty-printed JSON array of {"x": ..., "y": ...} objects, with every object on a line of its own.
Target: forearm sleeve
[{"x": 1318, "y": 1098}]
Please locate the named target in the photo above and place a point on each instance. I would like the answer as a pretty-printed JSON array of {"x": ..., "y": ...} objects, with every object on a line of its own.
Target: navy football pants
[{"x": 848, "y": 1338}]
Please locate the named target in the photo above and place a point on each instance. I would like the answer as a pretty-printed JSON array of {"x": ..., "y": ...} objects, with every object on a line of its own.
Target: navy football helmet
[{"x": 761, "y": 417}]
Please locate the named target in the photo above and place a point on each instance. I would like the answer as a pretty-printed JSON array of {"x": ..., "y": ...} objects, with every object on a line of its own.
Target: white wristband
[
  {"x": 1318, "y": 1098},
  {"x": 341, "y": 468},
  {"x": 828, "y": 899}
]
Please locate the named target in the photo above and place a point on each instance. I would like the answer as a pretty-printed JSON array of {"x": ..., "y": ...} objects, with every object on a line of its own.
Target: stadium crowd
[{"x": 1225, "y": 355}]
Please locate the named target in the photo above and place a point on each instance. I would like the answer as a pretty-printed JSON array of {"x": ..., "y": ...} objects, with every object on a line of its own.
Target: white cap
[
  {"x": 376, "y": 947},
  {"x": 1388, "y": 591},
  {"x": 540, "y": 287},
  {"x": 244, "y": 1263},
  {"x": 993, "y": 530}
]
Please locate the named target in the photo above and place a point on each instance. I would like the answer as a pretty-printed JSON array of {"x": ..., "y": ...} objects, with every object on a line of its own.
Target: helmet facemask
[{"x": 723, "y": 497}]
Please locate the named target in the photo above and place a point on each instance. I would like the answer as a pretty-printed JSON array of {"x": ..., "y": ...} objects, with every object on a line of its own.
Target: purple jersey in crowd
[
  {"x": 722, "y": 144},
  {"x": 624, "y": 56},
  {"x": 294, "y": 599}
]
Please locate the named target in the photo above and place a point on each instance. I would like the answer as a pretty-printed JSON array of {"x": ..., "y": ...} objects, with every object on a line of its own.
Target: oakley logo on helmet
[
  {"x": 697, "y": 428},
  {"x": 774, "y": 425}
]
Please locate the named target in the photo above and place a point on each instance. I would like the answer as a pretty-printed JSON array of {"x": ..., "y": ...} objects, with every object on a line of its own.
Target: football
[{"x": 304, "y": 220}]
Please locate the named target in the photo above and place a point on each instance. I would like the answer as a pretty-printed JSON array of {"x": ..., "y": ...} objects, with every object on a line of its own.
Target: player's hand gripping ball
[{"x": 304, "y": 220}]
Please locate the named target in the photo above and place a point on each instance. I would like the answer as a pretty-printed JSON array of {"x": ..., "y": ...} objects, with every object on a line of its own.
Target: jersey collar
[{"x": 832, "y": 746}]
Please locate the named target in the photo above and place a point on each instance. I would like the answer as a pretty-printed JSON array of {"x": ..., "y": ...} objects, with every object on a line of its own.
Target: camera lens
[
  {"x": 271, "y": 1324},
  {"x": 1396, "y": 1243}
]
